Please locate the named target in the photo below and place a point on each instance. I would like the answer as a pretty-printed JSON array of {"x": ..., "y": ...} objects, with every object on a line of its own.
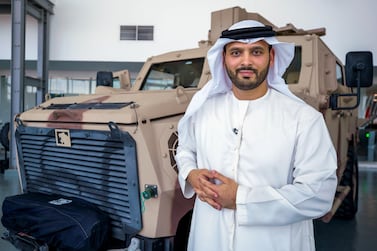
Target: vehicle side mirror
[
  {"x": 359, "y": 74},
  {"x": 359, "y": 69}
]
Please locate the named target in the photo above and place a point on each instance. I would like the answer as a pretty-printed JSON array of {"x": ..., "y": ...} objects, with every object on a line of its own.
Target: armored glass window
[
  {"x": 292, "y": 74},
  {"x": 170, "y": 75},
  {"x": 339, "y": 74}
]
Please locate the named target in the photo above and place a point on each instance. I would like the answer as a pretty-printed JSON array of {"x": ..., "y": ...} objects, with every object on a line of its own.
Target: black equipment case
[{"x": 63, "y": 223}]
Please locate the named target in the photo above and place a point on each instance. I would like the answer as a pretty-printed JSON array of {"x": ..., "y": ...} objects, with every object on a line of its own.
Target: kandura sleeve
[
  {"x": 186, "y": 157},
  {"x": 312, "y": 191}
]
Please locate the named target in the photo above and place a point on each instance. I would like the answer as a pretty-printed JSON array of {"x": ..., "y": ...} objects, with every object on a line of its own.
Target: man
[{"x": 259, "y": 159}]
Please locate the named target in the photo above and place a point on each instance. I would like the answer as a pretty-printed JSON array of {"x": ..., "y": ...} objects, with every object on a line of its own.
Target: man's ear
[
  {"x": 224, "y": 58},
  {"x": 272, "y": 56}
]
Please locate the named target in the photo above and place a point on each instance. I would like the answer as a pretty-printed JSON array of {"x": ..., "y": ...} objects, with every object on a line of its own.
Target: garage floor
[{"x": 358, "y": 234}]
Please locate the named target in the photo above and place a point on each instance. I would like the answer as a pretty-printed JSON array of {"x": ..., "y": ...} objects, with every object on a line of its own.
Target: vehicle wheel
[
  {"x": 4, "y": 136},
  {"x": 183, "y": 231},
  {"x": 348, "y": 208}
]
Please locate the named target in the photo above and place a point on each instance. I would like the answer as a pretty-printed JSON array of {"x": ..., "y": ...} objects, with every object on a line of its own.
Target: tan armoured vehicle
[{"x": 116, "y": 148}]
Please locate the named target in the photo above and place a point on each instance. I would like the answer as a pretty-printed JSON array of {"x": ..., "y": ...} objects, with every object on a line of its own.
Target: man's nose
[{"x": 247, "y": 59}]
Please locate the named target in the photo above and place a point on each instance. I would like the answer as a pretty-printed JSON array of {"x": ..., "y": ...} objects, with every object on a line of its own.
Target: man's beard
[{"x": 247, "y": 83}]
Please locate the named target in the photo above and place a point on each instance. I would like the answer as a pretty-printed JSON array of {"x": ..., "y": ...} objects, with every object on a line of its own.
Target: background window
[{"x": 134, "y": 32}]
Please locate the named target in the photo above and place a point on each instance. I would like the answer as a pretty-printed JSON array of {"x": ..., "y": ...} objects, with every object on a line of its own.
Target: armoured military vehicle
[{"x": 116, "y": 148}]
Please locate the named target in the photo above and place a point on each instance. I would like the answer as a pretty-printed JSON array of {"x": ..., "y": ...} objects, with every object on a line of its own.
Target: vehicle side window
[
  {"x": 170, "y": 75},
  {"x": 292, "y": 74},
  {"x": 339, "y": 74}
]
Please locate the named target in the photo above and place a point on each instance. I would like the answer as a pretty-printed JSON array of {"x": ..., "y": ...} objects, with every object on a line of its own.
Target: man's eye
[
  {"x": 235, "y": 53},
  {"x": 258, "y": 52}
]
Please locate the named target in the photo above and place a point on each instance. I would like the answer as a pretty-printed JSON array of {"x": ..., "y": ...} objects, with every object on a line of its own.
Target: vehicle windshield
[
  {"x": 170, "y": 75},
  {"x": 292, "y": 74}
]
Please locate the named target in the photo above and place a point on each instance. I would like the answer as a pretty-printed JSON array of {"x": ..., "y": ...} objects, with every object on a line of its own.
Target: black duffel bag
[{"x": 63, "y": 223}]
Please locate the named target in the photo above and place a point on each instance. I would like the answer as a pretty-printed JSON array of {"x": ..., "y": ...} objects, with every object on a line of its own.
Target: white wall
[
  {"x": 31, "y": 37},
  {"x": 89, "y": 29}
]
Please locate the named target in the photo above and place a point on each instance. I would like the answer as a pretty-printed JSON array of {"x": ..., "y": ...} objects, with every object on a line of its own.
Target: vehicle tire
[
  {"x": 4, "y": 136},
  {"x": 183, "y": 231},
  {"x": 348, "y": 208}
]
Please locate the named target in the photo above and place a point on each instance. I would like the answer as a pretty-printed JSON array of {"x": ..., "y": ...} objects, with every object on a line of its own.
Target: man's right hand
[{"x": 199, "y": 180}]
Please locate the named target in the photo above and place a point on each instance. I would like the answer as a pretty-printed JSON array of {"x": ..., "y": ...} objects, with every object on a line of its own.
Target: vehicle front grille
[{"x": 97, "y": 166}]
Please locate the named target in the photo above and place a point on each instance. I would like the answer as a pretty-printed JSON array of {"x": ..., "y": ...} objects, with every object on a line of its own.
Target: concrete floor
[{"x": 358, "y": 234}]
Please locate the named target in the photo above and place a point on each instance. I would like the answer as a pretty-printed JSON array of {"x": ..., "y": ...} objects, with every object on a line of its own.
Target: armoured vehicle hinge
[{"x": 114, "y": 129}]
